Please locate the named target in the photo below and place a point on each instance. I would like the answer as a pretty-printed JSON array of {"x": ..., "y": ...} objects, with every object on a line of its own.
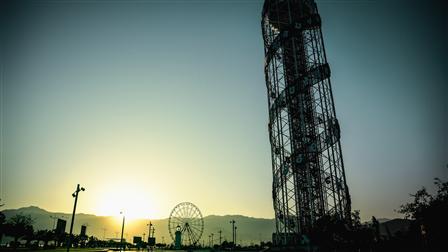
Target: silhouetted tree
[
  {"x": 329, "y": 232},
  {"x": 429, "y": 214},
  {"x": 19, "y": 226},
  {"x": 45, "y": 236},
  {"x": 376, "y": 228},
  {"x": 2, "y": 225},
  {"x": 2, "y": 222}
]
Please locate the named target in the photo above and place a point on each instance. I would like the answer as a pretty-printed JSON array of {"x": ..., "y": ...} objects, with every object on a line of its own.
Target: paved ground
[{"x": 85, "y": 250}]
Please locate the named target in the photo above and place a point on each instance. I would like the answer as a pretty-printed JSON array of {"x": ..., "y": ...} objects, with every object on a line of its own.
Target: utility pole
[
  {"x": 122, "y": 230},
  {"x": 149, "y": 233},
  {"x": 233, "y": 231},
  {"x": 212, "y": 241},
  {"x": 104, "y": 233},
  {"x": 235, "y": 236},
  {"x": 149, "y": 229},
  {"x": 75, "y": 195},
  {"x": 220, "y": 232}
]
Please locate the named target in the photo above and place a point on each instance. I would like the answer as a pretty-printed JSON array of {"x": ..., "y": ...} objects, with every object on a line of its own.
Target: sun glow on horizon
[{"x": 126, "y": 198}]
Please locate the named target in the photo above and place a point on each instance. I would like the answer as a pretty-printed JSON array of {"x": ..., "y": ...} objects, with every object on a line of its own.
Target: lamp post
[
  {"x": 122, "y": 230},
  {"x": 235, "y": 237},
  {"x": 149, "y": 229},
  {"x": 233, "y": 232},
  {"x": 75, "y": 195},
  {"x": 149, "y": 225}
]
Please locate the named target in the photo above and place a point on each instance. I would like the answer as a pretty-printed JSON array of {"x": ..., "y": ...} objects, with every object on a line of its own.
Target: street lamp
[
  {"x": 122, "y": 230},
  {"x": 151, "y": 231},
  {"x": 235, "y": 236},
  {"x": 75, "y": 195},
  {"x": 233, "y": 232}
]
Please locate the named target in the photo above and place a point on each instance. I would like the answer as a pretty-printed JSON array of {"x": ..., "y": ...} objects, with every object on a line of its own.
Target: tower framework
[{"x": 308, "y": 171}]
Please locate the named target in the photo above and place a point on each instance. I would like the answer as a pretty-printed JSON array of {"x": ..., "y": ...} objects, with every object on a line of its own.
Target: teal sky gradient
[{"x": 167, "y": 101}]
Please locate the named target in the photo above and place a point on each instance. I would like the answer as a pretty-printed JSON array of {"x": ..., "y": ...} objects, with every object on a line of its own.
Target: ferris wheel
[{"x": 186, "y": 224}]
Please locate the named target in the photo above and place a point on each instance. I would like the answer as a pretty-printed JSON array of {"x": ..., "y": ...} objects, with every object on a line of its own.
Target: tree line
[
  {"x": 20, "y": 228},
  {"x": 427, "y": 215}
]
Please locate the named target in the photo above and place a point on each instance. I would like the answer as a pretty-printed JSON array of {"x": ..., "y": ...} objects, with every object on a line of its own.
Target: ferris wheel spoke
[
  {"x": 196, "y": 237},
  {"x": 196, "y": 222},
  {"x": 183, "y": 212},
  {"x": 190, "y": 212},
  {"x": 178, "y": 212},
  {"x": 192, "y": 235},
  {"x": 197, "y": 229},
  {"x": 178, "y": 219},
  {"x": 198, "y": 216},
  {"x": 189, "y": 236},
  {"x": 195, "y": 214}
]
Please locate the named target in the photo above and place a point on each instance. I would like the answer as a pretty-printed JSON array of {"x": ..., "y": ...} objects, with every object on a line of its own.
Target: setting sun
[{"x": 127, "y": 199}]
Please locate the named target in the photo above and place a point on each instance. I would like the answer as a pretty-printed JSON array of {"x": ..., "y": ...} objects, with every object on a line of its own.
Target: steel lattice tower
[{"x": 308, "y": 171}]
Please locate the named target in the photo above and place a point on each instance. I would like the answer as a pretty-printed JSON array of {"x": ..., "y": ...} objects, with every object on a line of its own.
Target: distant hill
[
  {"x": 248, "y": 229},
  {"x": 382, "y": 220},
  {"x": 391, "y": 227}
]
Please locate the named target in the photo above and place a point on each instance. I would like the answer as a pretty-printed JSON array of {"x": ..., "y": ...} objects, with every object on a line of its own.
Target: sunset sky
[{"x": 150, "y": 103}]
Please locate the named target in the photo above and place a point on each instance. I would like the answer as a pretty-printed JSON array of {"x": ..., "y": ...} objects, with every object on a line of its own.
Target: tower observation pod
[{"x": 308, "y": 171}]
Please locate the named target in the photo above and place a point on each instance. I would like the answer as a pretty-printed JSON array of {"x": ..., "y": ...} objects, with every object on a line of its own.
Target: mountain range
[{"x": 249, "y": 229}]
